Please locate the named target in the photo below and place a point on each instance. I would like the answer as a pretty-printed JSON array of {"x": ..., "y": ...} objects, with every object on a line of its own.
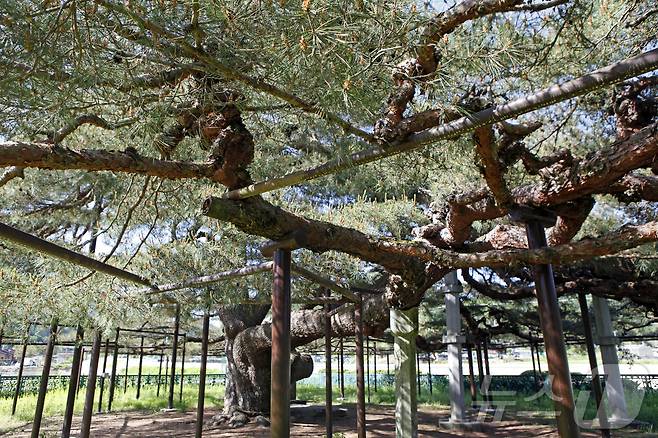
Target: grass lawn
[{"x": 56, "y": 400}]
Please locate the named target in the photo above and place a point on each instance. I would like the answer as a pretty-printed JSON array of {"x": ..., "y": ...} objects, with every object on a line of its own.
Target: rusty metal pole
[
  {"x": 478, "y": 357},
  {"x": 487, "y": 370},
  {"x": 182, "y": 370},
  {"x": 125, "y": 375},
  {"x": 429, "y": 370},
  {"x": 91, "y": 386},
  {"x": 139, "y": 368},
  {"x": 202, "y": 375},
  {"x": 360, "y": 383},
  {"x": 100, "y": 396},
  {"x": 75, "y": 369},
  {"x": 157, "y": 394},
  {"x": 538, "y": 361},
  {"x": 43, "y": 384},
  {"x": 368, "y": 366},
  {"x": 327, "y": 361},
  {"x": 166, "y": 368},
  {"x": 591, "y": 355},
  {"x": 551, "y": 323},
  {"x": 82, "y": 361},
  {"x": 342, "y": 369},
  {"x": 19, "y": 377},
  {"x": 471, "y": 374},
  {"x": 174, "y": 352},
  {"x": 374, "y": 364},
  {"x": 280, "y": 383},
  {"x": 113, "y": 375},
  {"x": 534, "y": 367},
  {"x": 418, "y": 373}
]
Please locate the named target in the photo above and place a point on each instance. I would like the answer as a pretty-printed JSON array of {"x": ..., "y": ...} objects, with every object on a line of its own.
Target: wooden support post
[
  {"x": 591, "y": 355},
  {"x": 368, "y": 366},
  {"x": 19, "y": 378},
  {"x": 182, "y": 371},
  {"x": 614, "y": 387},
  {"x": 100, "y": 396},
  {"x": 342, "y": 369},
  {"x": 174, "y": 352},
  {"x": 404, "y": 327},
  {"x": 478, "y": 355},
  {"x": 113, "y": 375},
  {"x": 78, "y": 383},
  {"x": 429, "y": 370},
  {"x": 374, "y": 364},
  {"x": 551, "y": 322},
  {"x": 43, "y": 384},
  {"x": 125, "y": 375},
  {"x": 360, "y": 384},
  {"x": 166, "y": 368},
  {"x": 471, "y": 373},
  {"x": 534, "y": 366},
  {"x": 157, "y": 394},
  {"x": 487, "y": 370},
  {"x": 139, "y": 369},
  {"x": 280, "y": 361},
  {"x": 327, "y": 378},
  {"x": 418, "y": 373},
  {"x": 75, "y": 370},
  {"x": 91, "y": 386},
  {"x": 202, "y": 375}
]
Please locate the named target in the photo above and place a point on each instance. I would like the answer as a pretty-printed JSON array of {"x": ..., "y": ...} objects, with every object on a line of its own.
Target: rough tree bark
[{"x": 249, "y": 342}]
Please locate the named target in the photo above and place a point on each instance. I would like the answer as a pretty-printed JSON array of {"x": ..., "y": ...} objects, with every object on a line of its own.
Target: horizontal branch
[
  {"x": 596, "y": 173},
  {"x": 634, "y": 188},
  {"x": 322, "y": 281},
  {"x": 258, "y": 217},
  {"x": 48, "y": 156},
  {"x": 568, "y": 190},
  {"x": 87, "y": 119},
  {"x": 11, "y": 173},
  {"x": 605, "y": 76},
  {"x": 613, "y": 242},
  {"x": 214, "y": 278}
]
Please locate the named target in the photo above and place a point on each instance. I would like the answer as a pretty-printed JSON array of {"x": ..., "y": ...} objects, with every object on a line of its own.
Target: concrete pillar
[
  {"x": 404, "y": 326},
  {"x": 454, "y": 340},
  {"x": 614, "y": 388}
]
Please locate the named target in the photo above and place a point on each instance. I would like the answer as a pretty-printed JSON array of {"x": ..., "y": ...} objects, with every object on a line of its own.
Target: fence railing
[
  {"x": 30, "y": 384},
  {"x": 524, "y": 383}
]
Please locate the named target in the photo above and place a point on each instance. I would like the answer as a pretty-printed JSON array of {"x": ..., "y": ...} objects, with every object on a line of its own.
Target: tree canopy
[{"x": 120, "y": 118}]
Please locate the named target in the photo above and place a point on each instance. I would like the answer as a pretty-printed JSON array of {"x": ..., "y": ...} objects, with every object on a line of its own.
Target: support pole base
[{"x": 469, "y": 426}]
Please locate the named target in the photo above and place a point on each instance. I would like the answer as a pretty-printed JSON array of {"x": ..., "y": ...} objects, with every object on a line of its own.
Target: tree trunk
[{"x": 249, "y": 343}]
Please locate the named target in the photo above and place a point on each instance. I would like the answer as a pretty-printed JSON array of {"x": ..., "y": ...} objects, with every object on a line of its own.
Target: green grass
[
  {"x": 385, "y": 395},
  {"x": 648, "y": 411},
  {"x": 56, "y": 402}
]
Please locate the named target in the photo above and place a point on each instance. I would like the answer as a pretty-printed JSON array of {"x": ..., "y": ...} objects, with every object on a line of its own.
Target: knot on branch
[
  {"x": 400, "y": 294},
  {"x": 387, "y": 128},
  {"x": 633, "y": 109}
]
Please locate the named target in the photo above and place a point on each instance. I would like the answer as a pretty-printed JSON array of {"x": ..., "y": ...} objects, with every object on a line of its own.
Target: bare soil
[{"x": 306, "y": 422}]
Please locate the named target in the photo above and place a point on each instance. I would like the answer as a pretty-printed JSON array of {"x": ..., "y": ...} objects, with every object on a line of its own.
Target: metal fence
[
  {"x": 524, "y": 383},
  {"x": 30, "y": 384}
]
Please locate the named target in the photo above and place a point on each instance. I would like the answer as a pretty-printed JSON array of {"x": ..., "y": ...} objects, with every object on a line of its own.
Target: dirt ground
[{"x": 307, "y": 421}]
